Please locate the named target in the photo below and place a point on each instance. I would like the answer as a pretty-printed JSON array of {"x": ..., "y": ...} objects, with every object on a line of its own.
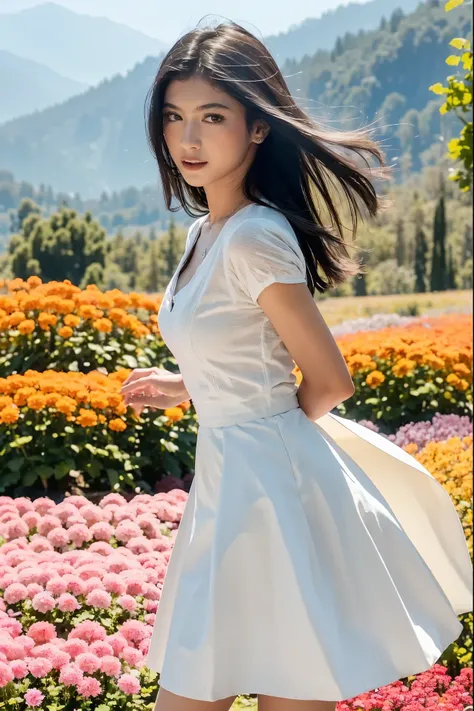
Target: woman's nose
[{"x": 190, "y": 137}]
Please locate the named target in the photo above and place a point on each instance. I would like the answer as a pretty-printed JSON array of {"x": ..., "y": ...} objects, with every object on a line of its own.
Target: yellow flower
[{"x": 452, "y": 379}]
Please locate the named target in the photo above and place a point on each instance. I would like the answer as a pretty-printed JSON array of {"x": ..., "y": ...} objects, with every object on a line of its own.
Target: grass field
[{"x": 343, "y": 308}]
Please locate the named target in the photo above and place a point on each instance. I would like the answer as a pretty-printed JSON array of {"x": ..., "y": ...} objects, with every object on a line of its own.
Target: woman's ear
[{"x": 260, "y": 131}]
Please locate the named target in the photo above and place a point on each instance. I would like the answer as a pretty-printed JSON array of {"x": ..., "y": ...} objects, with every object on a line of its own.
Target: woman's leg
[
  {"x": 274, "y": 703},
  {"x": 167, "y": 701}
]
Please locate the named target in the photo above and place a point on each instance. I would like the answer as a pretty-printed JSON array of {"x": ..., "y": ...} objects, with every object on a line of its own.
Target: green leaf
[{"x": 15, "y": 464}]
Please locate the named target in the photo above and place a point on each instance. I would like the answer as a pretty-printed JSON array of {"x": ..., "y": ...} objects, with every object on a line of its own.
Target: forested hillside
[{"x": 96, "y": 141}]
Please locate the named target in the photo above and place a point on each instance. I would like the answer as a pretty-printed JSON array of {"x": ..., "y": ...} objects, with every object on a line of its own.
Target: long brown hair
[{"x": 295, "y": 166}]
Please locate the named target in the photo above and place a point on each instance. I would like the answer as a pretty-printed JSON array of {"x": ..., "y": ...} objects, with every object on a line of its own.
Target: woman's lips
[{"x": 193, "y": 166}]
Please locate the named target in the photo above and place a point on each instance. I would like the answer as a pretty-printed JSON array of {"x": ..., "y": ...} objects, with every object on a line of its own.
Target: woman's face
[{"x": 203, "y": 123}]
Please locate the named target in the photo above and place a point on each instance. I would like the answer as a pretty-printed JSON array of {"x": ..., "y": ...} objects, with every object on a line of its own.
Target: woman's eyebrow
[{"x": 212, "y": 105}]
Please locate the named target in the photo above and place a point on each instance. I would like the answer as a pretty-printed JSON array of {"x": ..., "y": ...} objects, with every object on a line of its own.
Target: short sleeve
[{"x": 261, "y": 252}]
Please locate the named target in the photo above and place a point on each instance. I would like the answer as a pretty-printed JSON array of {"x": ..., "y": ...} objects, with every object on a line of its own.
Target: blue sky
[{"x": 166, "y": 19}]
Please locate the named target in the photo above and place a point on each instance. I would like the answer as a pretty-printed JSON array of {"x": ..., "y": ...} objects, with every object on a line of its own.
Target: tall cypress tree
[
  {"x": 451, "y": 270},
  {"x": 438, "y": 260},
  {"x": 400, "y": 244},
  {"x": 421, "y": 250}
]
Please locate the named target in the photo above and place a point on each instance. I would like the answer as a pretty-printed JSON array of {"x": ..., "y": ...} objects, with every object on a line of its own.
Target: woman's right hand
[{"x": 153, "y": 387}]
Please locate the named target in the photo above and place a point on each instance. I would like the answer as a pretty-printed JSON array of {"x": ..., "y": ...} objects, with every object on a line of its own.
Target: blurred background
[{"x": 73, "y": 80}]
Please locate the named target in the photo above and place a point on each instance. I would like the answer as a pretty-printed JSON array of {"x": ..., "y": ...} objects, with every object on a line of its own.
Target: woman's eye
[
  {"x": 169, "y": 114},
  {"x": 218, "y": 118}
]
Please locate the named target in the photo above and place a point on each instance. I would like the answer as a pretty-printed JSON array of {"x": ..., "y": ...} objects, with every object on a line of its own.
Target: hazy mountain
[
  {"x": 87, "y": 49},
  {"x": 26, "y": 86},
  {"x": 322, "y": 32},
  {"x": 96, "y": 141}
]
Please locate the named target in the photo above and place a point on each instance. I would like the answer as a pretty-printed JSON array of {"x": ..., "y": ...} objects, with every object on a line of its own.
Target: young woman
[{"x": 315, "y": 560}]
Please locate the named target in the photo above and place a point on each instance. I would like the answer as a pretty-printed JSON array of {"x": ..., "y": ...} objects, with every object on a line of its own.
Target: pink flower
[
  {"x": 43, "y": 602},
  {"x": 47, "y": 524},
  {"x": 43, "y": 505},
  {"x": 79, "y": 534},
  {"x": 56, "y": 586},
  {"x": 102, "y": 548},
  {"x": 26, "y": 642},
  {"x": 15, "y": 593},
  {"x": 13, "y": 627},
  {"x": 113, "y": 583},
  {"x": 74, "y": 584},
  {"x": 39, "y": 666},
  {"x": 74, "y": 647},
  {"x": 34, "y": 697},
  {"x": 117, "y": 642},
  {"x": 127, "y": 602},
  {"x": 64, "y": 511},
  {"x": 150, "y": 619},
  {"x": 33, "y": 589},
  {"x": 42, "y": 632},
  {"x": 68, "y": 603},
  {"x": 127, "y": 530},
  {"x": 139, "y": 544},
  {"x": 99, "y": 598},
  {"x": 88, "y": 662},
  {"x": 39, "y": 544},
  {"x": 135, "y": 586},
  {"x": 117, "y": 499},
  {"x": 32, "y": 519},
  {"x": 134, "y": 631},
  {"x": 111, "y": 666},
  {"x": 58, "y": 537},
  {"x": 128, "y": 684},
  {"x": 144, "y": 646},
  {"x": 77, "y": 501},
  {"x": 102, "y": 531},
  {"x": 101, "y": 649},
  {"x": 16, "y": 529},
  {"x": 14, "y": 649},
  {"x": 70, "y": 675},
  {"x": 132, "y": 656},
  {"x": 151, "y": 605},
  {"x": 19, "y": 668},
  {"x": 92, "y": 514},
  {"x": 89, "y": 687},
  {"x": 92, "y": 584},
  {"x": 88, "y": 631},
  {"x": 6, "y": 674},
  {"x": 23, "y": 504}
]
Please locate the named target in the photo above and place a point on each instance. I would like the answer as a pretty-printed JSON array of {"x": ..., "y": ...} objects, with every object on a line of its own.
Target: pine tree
[
  {"x": 467, "y": 245},
  {"x": 421, "y": 250},
  {"x": 400, "y": 244},
  {"x": 438, "y": 261}
]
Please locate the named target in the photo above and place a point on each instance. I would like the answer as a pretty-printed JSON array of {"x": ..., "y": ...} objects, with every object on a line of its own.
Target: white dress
[{"x": 314, "y": 560}]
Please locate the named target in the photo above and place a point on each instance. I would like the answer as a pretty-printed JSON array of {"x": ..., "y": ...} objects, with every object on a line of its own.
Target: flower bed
[
  {"x": 52, "y": 424},
  {"x": 411, "y": 372},
  {"x": 79, "y": 587},
  {"x": 58, "y": 325}
]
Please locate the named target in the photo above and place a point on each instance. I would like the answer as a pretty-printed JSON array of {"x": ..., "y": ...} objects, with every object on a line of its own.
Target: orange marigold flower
[
  {"x": 462, "y": 370},
  {"x": 102, "y": 418},
  {"x": 462, "y": 385},
  {"x": 36, "y": 402},
  {"x": 66, "y": 405},
  {"x": 403, "y": 367},
  {"x": 34, "y": 281},
  {"x": 434, "y": 362},
  {"x": 375, "y": 378},
  {"x": 65, "y": 332},
  {"x": 89, "y": 311},
  {"x": 27, "y": 326},
  {"x": 4, "y": 401},
  {"x": 9, "y": 414},
  {"x": 115, "y": 399},
  {"x": 86, "y": 418},
  {"x": 103, "y": 324},
  {"x": 174, "y": 413},
  {"x": 21, "y": 396},
  {"x": 99, "y": 400},
  {"x": 117, "y": 425},
  {"x": 16, "y": 318},
  {"x": 46, "y": 320},
  {"x": 71, "y": 320},
  {"x": 121, "y": 409}
]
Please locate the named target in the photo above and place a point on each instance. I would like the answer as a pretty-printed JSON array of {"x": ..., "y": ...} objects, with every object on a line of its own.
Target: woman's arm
[{"x": 295, "y": 316}]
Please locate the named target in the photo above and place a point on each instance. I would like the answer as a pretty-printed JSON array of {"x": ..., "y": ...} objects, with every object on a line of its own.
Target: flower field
[{"x": 81, "y": 569}]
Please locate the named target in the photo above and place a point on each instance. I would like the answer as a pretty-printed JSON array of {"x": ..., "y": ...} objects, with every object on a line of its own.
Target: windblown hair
[{"x": 296, "y": 167}]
